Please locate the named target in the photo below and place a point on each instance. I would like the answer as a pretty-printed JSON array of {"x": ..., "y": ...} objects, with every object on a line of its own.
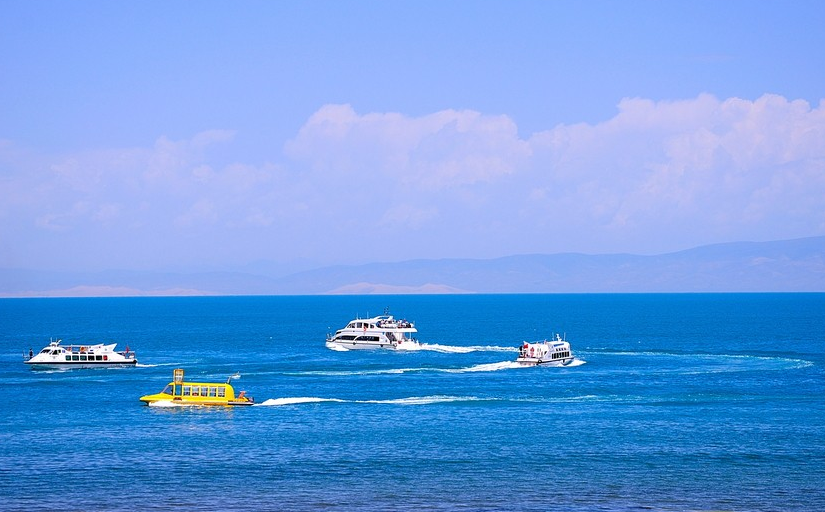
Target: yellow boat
[{"x": 180, "y": 392}]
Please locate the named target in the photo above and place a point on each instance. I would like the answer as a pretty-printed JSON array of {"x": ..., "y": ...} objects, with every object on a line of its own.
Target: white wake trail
[
  {"x": 297, "y": 400},
  {"x": 487, "y": 367},
  {"x": 413, "y": 400},
  {"x": 456, "y": 349}
]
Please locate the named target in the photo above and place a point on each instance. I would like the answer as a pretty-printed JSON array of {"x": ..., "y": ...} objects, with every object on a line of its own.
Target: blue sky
[{"x": 220, "y": 135}]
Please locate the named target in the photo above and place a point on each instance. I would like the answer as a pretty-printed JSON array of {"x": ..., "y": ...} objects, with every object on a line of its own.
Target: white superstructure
[
  {"x": 553, "y": 353},
  {"x": 55, "y": 355},
  {"x": 383, "y": 331}
]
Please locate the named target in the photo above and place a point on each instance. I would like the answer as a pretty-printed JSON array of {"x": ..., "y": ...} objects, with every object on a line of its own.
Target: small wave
[
  {"x": 455, "y": 349},
  {"x": 345, "y": 373},
  {"x": 167, "y": 403},
  {"x": 508, "y": 365},
  {"x": 488, "y": 367},
  {"x": 413, "y": 400},
  {"x": 146, "y": 365},
  {"x": 421, "y": 400},
  {"x": 720, "y": 363},
  {"x": 563, "y": 399},
  {"x": 297, "y": 400},
  {"x": 336, "y": 347}
]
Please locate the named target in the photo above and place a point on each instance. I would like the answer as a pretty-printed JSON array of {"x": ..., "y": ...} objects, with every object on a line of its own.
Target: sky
[{"x": 288, "y": 135}]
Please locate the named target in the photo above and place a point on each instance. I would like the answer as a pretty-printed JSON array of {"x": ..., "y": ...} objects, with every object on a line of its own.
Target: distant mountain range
[{"x": 780, "y": 266}]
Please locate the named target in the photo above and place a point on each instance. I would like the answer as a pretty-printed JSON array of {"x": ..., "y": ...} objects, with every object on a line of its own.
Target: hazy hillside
[{"x": 788, "y": 265}]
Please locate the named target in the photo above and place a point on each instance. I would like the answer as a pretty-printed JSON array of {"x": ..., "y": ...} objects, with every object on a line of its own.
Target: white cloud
[
  {"x": 659, "y": 175},
  {"x": 725, "y": 169},
  {"x": 441, "y": 150}
]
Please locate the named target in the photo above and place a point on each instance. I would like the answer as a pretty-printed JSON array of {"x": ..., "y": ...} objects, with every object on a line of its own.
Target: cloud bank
[{"x": 351, "y": 188}]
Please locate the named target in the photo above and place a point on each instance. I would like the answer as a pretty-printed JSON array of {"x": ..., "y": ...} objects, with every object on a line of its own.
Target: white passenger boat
[
  {"x": 552, "y": 353},
  {"x": 382, "y": 331},
  {"x": 56, "y": 355}
]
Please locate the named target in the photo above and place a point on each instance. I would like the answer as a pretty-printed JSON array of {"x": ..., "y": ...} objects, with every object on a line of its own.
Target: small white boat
[
  {"x": 552, "y": 353},
  {"x": 382, "y": 331},
  {"x": 55, "y": 355}
]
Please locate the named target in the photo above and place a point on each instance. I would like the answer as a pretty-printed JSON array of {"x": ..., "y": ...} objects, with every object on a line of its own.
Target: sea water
[{"x": 674, "y": 402}]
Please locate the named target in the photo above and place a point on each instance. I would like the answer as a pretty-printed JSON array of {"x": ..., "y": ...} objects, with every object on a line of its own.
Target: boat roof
[
  {"x": 57, "y": 343},
  {"x": 373, "y": 318},
  {"x": 88, "y": 346},
  {"x": 188, "y": 383}
]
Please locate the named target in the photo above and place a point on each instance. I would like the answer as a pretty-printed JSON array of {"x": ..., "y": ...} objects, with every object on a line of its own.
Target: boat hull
[
  {"x": 533, "y": 361},
  {"x": 371, "y": 345},
  {"x": 191, "y": 403},
  {"x": 79, "y": 365}
]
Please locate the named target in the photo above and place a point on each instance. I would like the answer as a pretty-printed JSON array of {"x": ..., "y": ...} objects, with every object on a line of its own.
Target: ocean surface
[{"x": 676, "y": 402}]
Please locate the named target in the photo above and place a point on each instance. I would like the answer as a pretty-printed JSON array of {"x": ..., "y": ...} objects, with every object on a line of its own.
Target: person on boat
[{"x": 31, "y": 353}]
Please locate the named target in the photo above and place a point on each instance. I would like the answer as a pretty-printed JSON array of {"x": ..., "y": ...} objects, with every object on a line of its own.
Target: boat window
[
  {"x": 222, "y": 392},
  {"x": 105, "y": 358},
  {"x": 187, "y": 390},
  {"x": 213, "y": 391},
  {"x": 167, "y": 390},
  {"x": 44, "y": 351},
  {"x": 75, "y": 358},
  {"x": 358, "y": 325},
  {"x": 82, "y": 358},
  {"x": 99, "y": 358},
  {"x": 196, "y": 391},
  {"x": 68, "y": 358}
]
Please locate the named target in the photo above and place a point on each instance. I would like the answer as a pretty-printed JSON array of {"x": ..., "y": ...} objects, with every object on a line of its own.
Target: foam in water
[
  {"x": 454, "y": 349},
  {"x": 420, "y": 400},
  {"x": 297, "y": 400},
  {"x": 488, "y": 367},
  {"x": 413, "y": 400},
  {"x": 167, "y": 403}
]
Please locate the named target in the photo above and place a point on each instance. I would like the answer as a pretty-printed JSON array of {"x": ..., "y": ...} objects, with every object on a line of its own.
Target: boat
[
  {"x": 383, "y": 331},
  {"x": 55, "y": 355},
  {"x": 181, "y": 392},
  {"x": 555, "y": 352}
]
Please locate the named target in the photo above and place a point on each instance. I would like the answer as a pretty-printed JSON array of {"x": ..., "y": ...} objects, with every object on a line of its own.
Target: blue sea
[{"x": 676, "y": 402}]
